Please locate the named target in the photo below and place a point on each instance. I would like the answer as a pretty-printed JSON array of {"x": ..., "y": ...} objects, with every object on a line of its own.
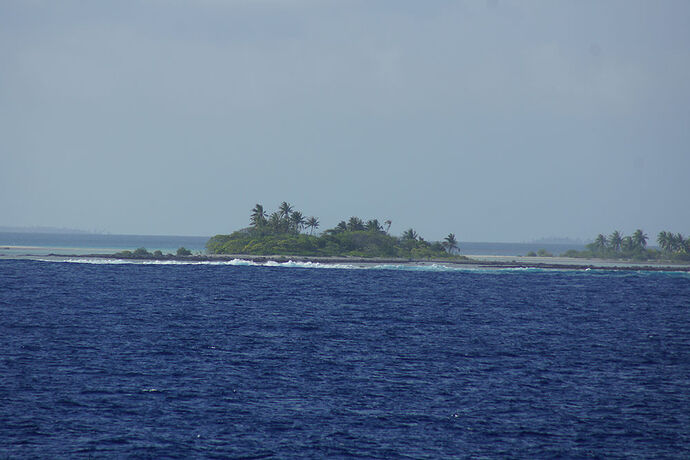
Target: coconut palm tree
[
  {"x": 275, "y": 222},
  {"x": 664, "y": 240},
  {"x": 258, "y": 217},
  {"x": 373, "y": 226},
  {"x": 627, "y": 244},
  {"x": 297, "y": 220},
  {"x": 677, "y": 242},
  {"x": 355, "y": 224},
  {"x": 340, "y": 228},
  {"x": 312, "y": 223},
  {"x": 639, "y": 239},
  {"x": 685, "y": 245},
  {"x": 600, "y": 242},
  {"x": 450, "y": 243},
  {"x": 410, "y": 235},
  {"x": 285, "y": 210},
  {"x": 615, "y": 240}
]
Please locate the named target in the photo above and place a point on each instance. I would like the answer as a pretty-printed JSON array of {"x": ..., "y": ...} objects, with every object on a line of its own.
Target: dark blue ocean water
[{"x": 208, "y": 361}]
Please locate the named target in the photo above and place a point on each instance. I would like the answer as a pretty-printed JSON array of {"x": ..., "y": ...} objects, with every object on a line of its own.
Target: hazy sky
[{"x": 496, "y": 120}]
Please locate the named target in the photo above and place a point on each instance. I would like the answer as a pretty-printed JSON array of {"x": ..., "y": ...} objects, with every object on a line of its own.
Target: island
[
  {"x": 284, "y": 232},
  {"x": 617, "y": 246},
  {"x": 286, "y": 235}
]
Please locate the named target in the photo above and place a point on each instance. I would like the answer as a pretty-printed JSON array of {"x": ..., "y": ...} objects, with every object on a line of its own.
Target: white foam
[
  {"x": 272, "y": 263},
  {"x": 418, "y": 267},
  {"x": 91, "y": 261},
  {"x": 104, "y": 261},
  {"x": 432, "y": 267},
  {"x": 293, "y": 264}
]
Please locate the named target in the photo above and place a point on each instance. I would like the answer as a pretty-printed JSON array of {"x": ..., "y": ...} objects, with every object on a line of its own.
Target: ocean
[{"x": 231, "y": 360}]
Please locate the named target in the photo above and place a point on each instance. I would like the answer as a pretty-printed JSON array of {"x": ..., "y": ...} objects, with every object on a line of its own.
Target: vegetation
[
  {"x": 139, "y": 253},
  {"x": 143, "y": 253},
  {"x": 618, "y": 246},
  {"x": 540, "y": 253},
  {"x": 673, "y": 243},
  {"x": 182, "y": 251},
  {"x": 280, "y": 233},
  {"x": 450, "y": 243}
]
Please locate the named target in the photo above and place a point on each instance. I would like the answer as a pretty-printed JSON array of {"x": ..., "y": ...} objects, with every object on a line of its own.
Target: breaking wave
[
  {"x": 412, "y": 267},
  {"x": 415, "y": 267}
]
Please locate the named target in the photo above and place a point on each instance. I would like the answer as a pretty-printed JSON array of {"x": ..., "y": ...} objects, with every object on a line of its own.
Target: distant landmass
[
  {"x": 61, "y": 230},
  {"x": 283, "y": 232}
]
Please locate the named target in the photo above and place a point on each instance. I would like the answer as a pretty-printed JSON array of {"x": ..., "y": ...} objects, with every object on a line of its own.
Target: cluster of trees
[
  {"x": 618, "y": 246},
  {"x": 280, "y": 233},
  {"x": 409, "y": 236},
  {"x": 355, "y": 224},
  {"x": 617, "y": 243},
  {"x": 143, "y": 253},
  {"x": 672, "y": 243},
  {"x": 285, "y": 220}
]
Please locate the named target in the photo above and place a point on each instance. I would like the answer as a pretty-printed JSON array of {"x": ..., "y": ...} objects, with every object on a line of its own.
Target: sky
[{"x": 495, "y": 120}]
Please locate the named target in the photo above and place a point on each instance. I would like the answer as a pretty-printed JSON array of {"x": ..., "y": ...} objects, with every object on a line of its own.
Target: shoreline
[{"x": 470, "y": 261}]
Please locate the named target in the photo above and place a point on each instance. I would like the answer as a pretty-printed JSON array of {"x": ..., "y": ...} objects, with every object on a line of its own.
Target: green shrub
[
  {"x": 141, "y": 253},
  {"x": 182, "y": 251},
  {"x": 358, "y": 243}
]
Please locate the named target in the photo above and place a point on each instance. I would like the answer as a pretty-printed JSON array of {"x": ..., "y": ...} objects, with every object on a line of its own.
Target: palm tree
[
  {"x": 373, "y": 226},
  {"x": 340, "y": 228},
  {"x": 677, "y": 242},
  {"x": 664, "y": 240},
  {"x": 410, "y": 235},
  {"x": 600, "y": 242},
  {"x": 297, "y": 220},
  {"x": 258, "y": 217},
  {"x": 639, "y": 239},
  {"x": 275, "y": 221},
  {"x": 450, "y": 243},
  {"x": 627, "y": 244},
  {"x": 673, "y": 242},
  {"x": 615, "y": 240},
  {"x": 685, "y": 245},
  {"x": 355, "y": 224},
  {"x": 312, "y": 223},
  {"x": 285, "y": 210}
]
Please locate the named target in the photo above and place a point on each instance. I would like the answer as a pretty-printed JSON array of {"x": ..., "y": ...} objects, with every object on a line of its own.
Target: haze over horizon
[{"x": 496, "y": 120}]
